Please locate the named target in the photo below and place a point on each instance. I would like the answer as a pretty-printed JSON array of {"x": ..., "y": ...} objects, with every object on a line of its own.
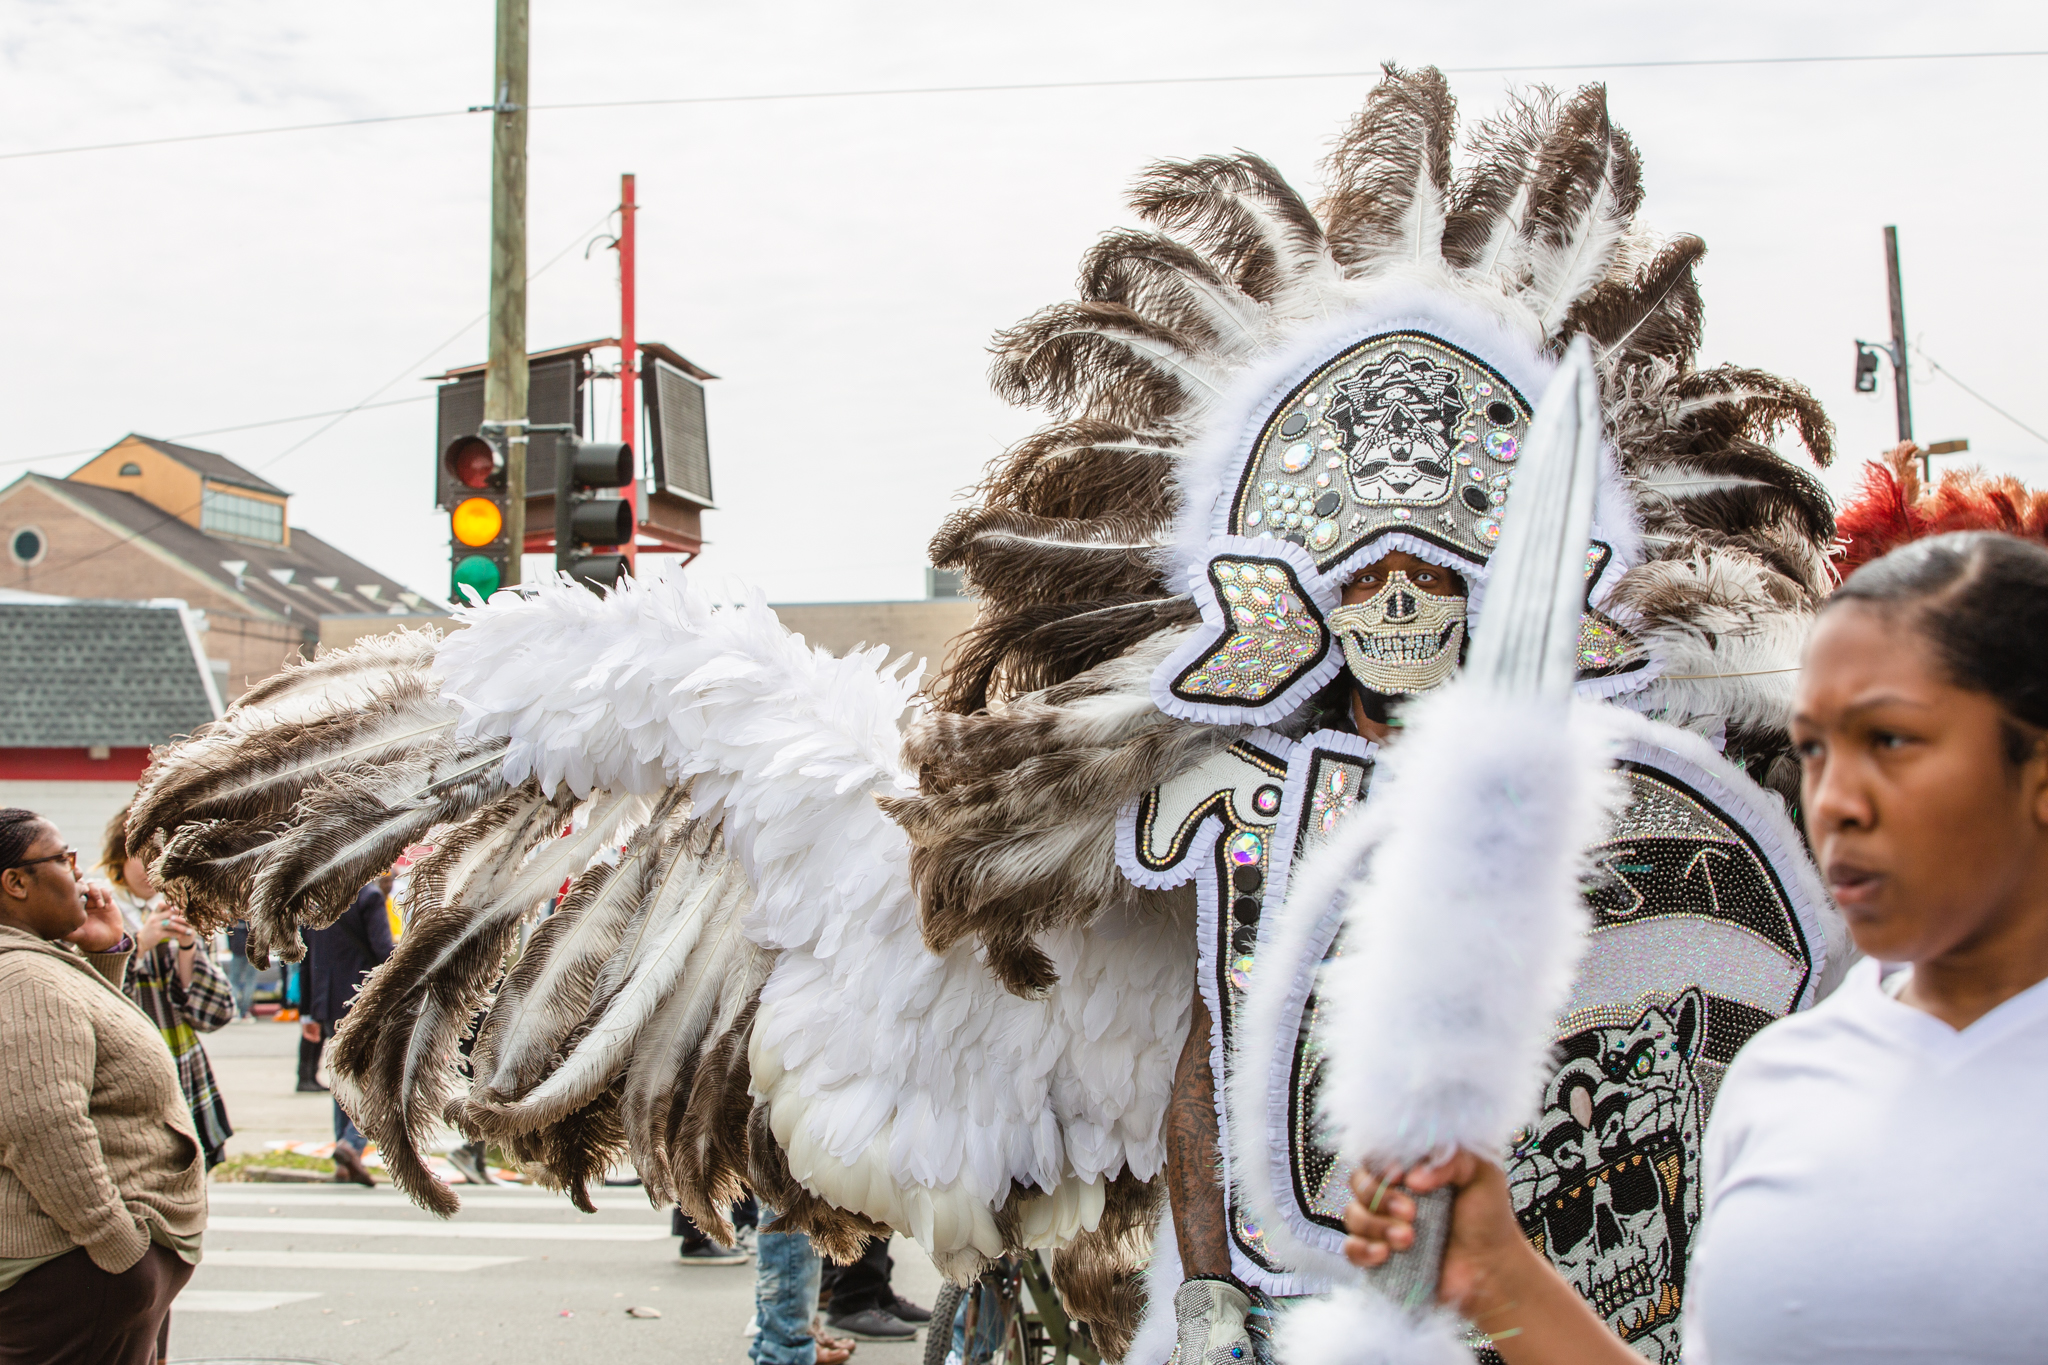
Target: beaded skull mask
[{"x": 1402, "y": 431}]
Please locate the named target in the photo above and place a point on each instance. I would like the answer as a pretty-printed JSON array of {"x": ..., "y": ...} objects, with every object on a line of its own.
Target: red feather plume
[{"x": 1892, "y": 508}]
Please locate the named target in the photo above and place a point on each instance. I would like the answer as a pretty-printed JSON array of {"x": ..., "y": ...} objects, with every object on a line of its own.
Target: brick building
[
  {"x": 149, "y": 519},
  {"x": 85, "y": 689}
]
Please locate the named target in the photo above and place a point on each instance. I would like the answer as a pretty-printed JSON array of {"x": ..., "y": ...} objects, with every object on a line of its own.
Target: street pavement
[{"x": 325, "y": 1272}]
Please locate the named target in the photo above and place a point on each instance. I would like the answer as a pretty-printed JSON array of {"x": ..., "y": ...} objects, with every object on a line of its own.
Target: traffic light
[
  {"x": 481, "y": 552},
  {"x": 588, "y": 515}
]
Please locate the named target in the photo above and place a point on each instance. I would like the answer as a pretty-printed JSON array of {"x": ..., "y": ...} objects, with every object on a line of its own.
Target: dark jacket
[{"x": 341, "y": 955}]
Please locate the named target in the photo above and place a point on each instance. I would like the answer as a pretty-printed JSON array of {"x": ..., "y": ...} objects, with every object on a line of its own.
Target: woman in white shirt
[{"x": 1873, "y": 1184}]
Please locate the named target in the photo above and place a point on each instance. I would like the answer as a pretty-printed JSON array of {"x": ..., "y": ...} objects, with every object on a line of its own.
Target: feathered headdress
[
  {"x": 1218, "y": 388},
  {"x": 1893, "y": 508}
]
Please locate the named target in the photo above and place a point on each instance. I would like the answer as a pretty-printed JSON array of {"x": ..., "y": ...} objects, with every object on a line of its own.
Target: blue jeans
[
  {"x": 242, "y": 982},
  {"x": 786, "y": 1269},
  {"x": 346, "y": 1132}
]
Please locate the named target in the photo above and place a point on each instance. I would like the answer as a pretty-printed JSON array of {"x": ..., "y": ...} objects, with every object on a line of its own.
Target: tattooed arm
[{"x": 1194, "y": 1160}]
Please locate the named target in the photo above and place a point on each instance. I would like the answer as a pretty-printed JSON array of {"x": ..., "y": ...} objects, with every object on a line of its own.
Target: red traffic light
[{"x": 473, "y": 462}]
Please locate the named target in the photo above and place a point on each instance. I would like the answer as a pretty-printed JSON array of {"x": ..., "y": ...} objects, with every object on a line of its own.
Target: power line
[
  {"x": 1141, "y": 81},
  {"x": 1030, "y": 86},
  {"x": 339, "y": 414},
  {"x": 222, "y": 431},
  {"x": 1949, "y": 375},
  {"x": 235, "y": 132}
]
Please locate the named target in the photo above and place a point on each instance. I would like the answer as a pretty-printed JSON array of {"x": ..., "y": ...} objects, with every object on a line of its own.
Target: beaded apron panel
[{"x": 1698, "y": 941}]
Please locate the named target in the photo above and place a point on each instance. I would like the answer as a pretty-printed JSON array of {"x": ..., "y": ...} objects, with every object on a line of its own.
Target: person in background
[
  {"x": 862, "y": 1303},
  {"x": 1867, "y": 1195},
  {"x": 175, "y": 980},
  {"x": 697, "y": 1248},
  {"x": 338, "y": 959},
  {"x": 241, "y": 971},
  {"x": 786, "y": 1283},
  {"x": 102, "y": 1179}
]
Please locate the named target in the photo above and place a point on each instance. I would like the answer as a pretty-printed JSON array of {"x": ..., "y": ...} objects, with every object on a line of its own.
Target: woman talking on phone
[
  {"x": 102, "y": 1181},
  {"x": 1867, "y": 1166}
]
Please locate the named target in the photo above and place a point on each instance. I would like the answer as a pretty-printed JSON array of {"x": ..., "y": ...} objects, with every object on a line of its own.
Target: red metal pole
[{"x": 629, "y": 429}]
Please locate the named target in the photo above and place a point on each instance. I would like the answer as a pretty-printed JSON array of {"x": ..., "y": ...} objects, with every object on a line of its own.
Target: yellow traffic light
[{"x": 477, "y": 521}]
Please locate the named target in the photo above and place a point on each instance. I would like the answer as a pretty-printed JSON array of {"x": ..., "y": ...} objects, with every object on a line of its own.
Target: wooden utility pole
[
  {"x": 505, "y": 377},
  {"x": 1891, "y": 262}
]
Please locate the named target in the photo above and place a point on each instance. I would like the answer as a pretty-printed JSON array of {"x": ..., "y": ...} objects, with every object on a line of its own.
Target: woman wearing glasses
[{"x": 102, "y": 1180}]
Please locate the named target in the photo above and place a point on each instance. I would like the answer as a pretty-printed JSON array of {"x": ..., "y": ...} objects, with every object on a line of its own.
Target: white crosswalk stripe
[
  {"x": 303, "y": 1197},
  {"x": 271, "y": 1246},
  {"x": 360, "y": 1228},
  {"x": 353, "y": 1260}
]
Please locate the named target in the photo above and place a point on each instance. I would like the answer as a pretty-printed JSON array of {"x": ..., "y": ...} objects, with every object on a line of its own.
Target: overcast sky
[{"x": 842, "y": 263}]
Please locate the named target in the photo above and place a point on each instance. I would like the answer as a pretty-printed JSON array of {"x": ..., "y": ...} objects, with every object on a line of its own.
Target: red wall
[{"x": 72, "y": 765}]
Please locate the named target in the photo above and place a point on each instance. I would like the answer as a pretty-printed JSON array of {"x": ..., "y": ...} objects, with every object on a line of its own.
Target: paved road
[{"x": 354, "y": 1276}]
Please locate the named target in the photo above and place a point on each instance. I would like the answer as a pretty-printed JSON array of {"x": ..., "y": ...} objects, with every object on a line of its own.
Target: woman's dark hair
[
  {"x": 1981, "y": 599},
  {"x": 114, "y": 848},
  {"x": 18, "y": 831}
]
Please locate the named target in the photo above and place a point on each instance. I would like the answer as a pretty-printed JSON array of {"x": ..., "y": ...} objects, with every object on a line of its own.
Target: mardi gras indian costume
[{"x": 929, "y": 963}]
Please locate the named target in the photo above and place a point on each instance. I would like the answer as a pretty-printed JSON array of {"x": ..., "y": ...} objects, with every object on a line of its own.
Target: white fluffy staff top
[{"x": 1461, "y": 941}]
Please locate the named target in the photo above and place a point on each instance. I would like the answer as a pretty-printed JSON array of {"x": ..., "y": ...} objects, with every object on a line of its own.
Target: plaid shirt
[{"x": 181, "y": 1013}]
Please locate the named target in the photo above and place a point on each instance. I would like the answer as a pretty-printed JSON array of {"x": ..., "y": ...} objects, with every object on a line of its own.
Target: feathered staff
[{"x": 1461, "y": 941}]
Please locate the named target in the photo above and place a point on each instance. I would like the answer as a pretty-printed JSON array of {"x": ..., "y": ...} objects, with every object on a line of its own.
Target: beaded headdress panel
[{"x": 1253, "y": 397}]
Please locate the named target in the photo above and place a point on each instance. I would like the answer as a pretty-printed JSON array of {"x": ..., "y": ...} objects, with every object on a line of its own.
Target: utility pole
[
  {"x": 505, "y": 377},
  {"x": 629, "y": 429},
  {"x": 1891, "y": 261}
]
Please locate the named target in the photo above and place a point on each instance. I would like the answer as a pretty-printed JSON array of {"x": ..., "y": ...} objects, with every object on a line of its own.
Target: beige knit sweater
[{"x": 96, "y": 1141}]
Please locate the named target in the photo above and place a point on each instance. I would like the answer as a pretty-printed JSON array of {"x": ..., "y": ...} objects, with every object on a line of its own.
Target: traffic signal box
[
  {"x": 592, "y": 523},
  {"x": 480, "y": 550}
]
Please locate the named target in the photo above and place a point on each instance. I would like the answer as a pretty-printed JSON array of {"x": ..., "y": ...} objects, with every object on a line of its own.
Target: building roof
[
  {"x": 207, "y": 464},
  {"x": 77, "y": 674},
  {"x": 307, "y": 579}
]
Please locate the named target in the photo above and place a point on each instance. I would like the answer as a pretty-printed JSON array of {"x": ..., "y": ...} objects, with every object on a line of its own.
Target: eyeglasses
[{"x": 69, "y": 855}]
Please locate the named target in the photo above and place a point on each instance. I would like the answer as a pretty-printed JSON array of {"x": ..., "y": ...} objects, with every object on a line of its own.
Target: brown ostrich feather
[
  {"x": 1100, "y": 1275},
  {"x": 1489, "y": 198},
  {"x": 1024, "y": 840},
  {"x": 1390, "y": 174},
  {"x": 1241, "y": 213},
  {"x": 1586, "y": 174},
  {"x": 1037, "y": 647},
  {"x": 1160, "y": 278},
  {"x": 1104, "y": 358},
  {"x": 1127, "y": 477},
  {"x": 705, "y": 1152},
  {"x": 573, "y": 1151},
  {"x": 259, "y": 772},
  {"x": 393, "y": 1056},
  {"x": 1654, "y": 313},
  {"x": 1728, "y": 403},
  {"x": 352, "y": 823},
  {"x": 1025, "y": 560},
  {"x": 207, "y": 867},
  {"x": 401, "y": 651}
]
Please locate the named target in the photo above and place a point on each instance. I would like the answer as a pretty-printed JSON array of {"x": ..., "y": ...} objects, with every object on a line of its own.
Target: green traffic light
[{"x": 478, "y": 572}]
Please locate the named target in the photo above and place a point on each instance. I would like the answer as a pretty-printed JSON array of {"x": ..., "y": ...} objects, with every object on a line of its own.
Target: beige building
[
  {"x": 148, "y": 519},
  {"x": 924, "y": 629}
]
